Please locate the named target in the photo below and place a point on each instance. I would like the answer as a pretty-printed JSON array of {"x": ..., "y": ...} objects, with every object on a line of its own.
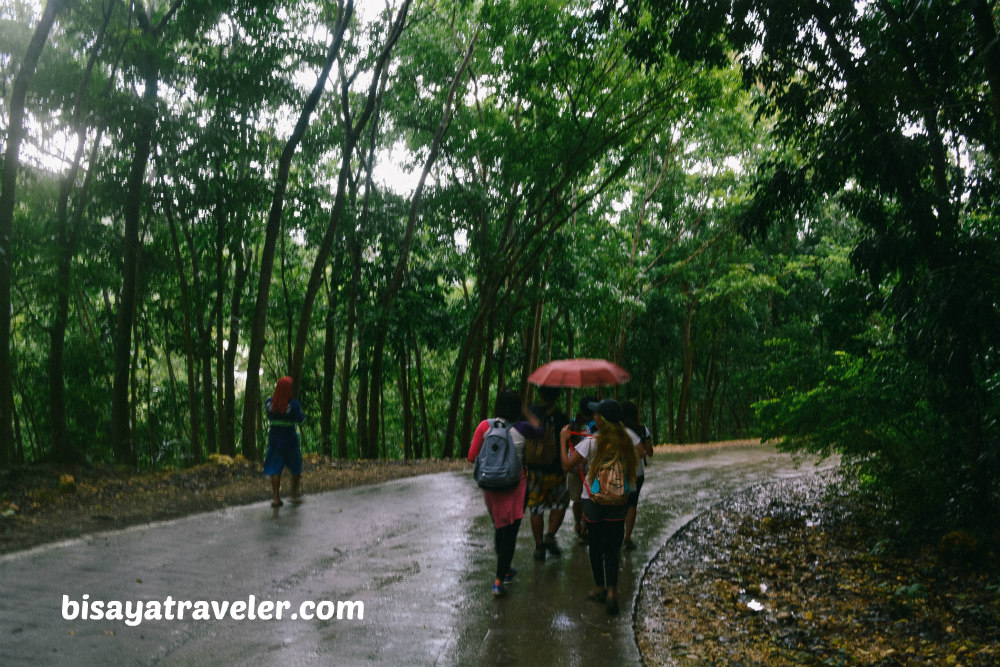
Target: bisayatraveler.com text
[{"x": 134, "y": 612}]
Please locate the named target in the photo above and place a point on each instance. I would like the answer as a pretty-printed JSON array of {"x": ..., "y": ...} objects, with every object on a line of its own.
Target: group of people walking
[{"x": 596, "y": 462}]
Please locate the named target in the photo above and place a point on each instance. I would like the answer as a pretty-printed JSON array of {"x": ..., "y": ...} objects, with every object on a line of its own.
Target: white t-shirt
[
  {"x": 641, "y": 470},
  {"x": 588, "y": 446}
]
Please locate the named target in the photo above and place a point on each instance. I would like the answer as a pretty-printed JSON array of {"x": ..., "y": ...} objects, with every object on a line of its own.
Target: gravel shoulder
[{"x": 786, "y": 574}]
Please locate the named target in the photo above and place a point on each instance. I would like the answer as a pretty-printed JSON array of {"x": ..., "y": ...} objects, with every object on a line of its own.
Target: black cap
[{"x": 609, "y": 408}]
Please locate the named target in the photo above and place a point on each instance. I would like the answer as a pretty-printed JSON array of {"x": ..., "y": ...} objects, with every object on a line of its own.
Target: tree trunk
[
  {"x": 712, "y": 385},
  {"x": 531, "y": 351},
  {"x": 352, "y": 318},
  {"x": 258, "y": 327},
  {"x": 220, "y": 293},
  {"x": 685, "y": 398},
  {"x": 426, "y": 439},
  {"x": 208, "y": 392},
  {"x": 351, "y": 136},
  {"x": 404, "y": 398},
  {"x": 227, "y": 424},
  {"x": 329, "y": 373},
  {"x": 8, "y": 184},
  {"x": 121, "y": 431},
  {"x": 364, "y": 375},
  {"x": 461, "y": 364},
  {"x": 189, "y": 356},
  {"x": 670, "y": 405},
  {"x": 487, "y": 375},
  {"x": 67, "y": 240},
  {"x": 471, "y": 393},
  {"x": 396, "y": 281},
  {"x": 652, "y": 408}
]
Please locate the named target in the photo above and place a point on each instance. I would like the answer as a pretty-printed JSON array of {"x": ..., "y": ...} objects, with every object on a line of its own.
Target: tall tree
[
  {"x": 146, "y": 114},
  {"x": 259, "y": 324},
  {"x": 15, "y": 134},
  {"x": 887, "y": 105}
]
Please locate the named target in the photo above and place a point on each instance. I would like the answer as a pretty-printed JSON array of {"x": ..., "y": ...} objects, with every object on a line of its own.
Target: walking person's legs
[{"x": 613, "y": 532}]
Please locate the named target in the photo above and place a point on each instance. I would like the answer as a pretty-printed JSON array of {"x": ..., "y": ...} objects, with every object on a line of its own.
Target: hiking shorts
[
  {"x": 283, "y": 456},
  {"x": 547, "y": 491}
]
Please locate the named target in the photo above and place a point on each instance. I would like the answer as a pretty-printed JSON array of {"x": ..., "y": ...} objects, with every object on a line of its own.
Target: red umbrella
[{"x": 579, "y": 373}]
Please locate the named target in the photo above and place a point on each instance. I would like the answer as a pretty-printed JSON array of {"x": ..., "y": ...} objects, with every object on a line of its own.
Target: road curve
[{"x": 417, "y": 553}]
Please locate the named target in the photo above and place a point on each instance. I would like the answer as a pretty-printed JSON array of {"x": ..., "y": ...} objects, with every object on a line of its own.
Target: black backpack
[
  {"x": 543, "y": 451},
  {"x": 497, "y": 466}
]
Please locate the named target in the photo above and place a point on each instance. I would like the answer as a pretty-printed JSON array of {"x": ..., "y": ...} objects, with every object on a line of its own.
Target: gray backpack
[{"x": 497, "y": 466}]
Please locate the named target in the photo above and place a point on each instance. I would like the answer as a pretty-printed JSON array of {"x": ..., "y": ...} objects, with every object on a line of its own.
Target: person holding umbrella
[{"x": 610, "y": 448}]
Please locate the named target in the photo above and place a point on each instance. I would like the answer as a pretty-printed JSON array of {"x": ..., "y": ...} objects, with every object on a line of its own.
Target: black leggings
[
  {"x": 605, "y": 539},
  {"x": 505, "y": 539}
]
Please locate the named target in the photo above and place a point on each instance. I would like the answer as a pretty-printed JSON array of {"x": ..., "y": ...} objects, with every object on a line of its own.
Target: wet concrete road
[{"x": 418, "y": 553}]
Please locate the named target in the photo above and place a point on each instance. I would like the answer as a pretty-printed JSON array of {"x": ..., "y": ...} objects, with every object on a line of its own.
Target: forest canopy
[{"x": 781, "y": 219}]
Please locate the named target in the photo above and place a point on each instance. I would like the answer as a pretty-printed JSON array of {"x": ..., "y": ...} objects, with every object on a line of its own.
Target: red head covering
[{"x": 282, "y": 393}]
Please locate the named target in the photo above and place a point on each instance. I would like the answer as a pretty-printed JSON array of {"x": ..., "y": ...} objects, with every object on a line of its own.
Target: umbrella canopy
[{"x": 579, "y": 373}]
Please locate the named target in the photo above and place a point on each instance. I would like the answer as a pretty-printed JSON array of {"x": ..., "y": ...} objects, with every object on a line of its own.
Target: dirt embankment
[{"x": 40, "y": 504}]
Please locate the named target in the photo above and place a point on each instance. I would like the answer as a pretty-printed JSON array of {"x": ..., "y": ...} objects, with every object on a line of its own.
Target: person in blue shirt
[{"x": 283, "y": 413}]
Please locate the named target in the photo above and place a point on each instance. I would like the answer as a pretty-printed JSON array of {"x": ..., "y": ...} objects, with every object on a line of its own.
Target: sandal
[
  {"x": 295, "y": 500},
  {"x": 612, "y": 606},
  {"x": 598, "y": 595},
  {"x": 276, "y": 503}
]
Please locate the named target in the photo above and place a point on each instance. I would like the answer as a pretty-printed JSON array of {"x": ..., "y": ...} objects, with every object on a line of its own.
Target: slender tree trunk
[
  {"x": 423, "y": 403},
  {"x": 685, "y": 398},
  {"x": 20, "y": 457},
  {"x": 208, "y": 392},
  {"x": 351, "y": 136},
  {"x": 329, "y": 373},
  {"x": 712, "y": 385},
  {"x": 133, "y": 387},
  {"x": 376, "y": 392},
  {"x": 289, "y": 318},
  {"x": 363, "y": 445},
  {"x": 404, "y": 398},
  {"x": 532, "y": 344},
  {"x": 227, "y": 429},
  {"x": 670, "y": 405},
  {"x": 382, "y": 436},
  {"x": 220, "y": 294},
  {"x": 652, "y": 408},
  {"x": 352, "y": 318},
  {"x": 67, "y": 236},
  {"x": 487, "y": 375},
  {"x": 258, "y": 328},
  {"x": 33, "y": 434},
  {"x": 461, "y": 364},
  {"x": 471, "y": 393},
  {"x": 502, "y": 360},
  {"x": 121, "y": 431},
  {"x": 189, "y": 355},
  {"x": 8, "y": 184}
]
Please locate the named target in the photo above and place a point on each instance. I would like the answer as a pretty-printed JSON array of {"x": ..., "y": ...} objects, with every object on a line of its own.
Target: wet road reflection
[
  {"x": 418, "y": 553},
  {"x": 546, "y": 619}
]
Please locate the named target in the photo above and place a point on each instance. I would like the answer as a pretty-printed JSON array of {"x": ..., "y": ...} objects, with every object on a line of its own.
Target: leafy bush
[{"x": 875, "y": 411}]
